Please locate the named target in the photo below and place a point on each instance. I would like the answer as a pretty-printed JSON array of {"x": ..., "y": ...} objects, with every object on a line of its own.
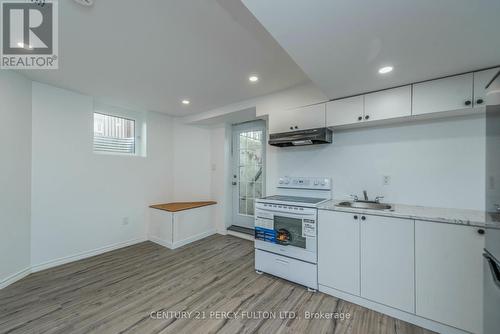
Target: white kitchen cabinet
[
  {"x": 309, "y": 117},
  {"x": 388, "y": 104},
  {"x": 442, "y": 95},
  {"x": 338, "y": 250},
  {"x": 387, "y": 261},
  {"x": 481, "y": 79},
  {"x": 449, "y": 274},
  {"x": 345, "y": 111}
]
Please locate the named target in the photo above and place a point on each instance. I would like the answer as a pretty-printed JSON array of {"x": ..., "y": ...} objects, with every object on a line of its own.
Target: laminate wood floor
[{"x": 133, "y": 289}]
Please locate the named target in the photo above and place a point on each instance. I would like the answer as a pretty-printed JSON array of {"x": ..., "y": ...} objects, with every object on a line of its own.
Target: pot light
[
  {"x": 385, "y": 69},
  {"x": 186, "y": 102},
  {"x": 253, "y": 78}
]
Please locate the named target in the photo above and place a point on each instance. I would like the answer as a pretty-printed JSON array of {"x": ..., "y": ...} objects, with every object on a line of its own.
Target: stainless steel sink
[{"x": 365, "y": 205}]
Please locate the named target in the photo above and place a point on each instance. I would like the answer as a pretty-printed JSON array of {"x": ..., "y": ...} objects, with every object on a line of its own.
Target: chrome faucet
[{"x": 377, "y": 199}]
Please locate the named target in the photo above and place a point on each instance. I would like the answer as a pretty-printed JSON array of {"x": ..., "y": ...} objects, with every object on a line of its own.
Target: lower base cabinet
[
  {"x": 368, "y": 256},
  {"x": 387, "y": 261},
  {"x": 428, "y": 273},
  {"x": 338, "y": 251},
  {"x": 449, "y": 274}
]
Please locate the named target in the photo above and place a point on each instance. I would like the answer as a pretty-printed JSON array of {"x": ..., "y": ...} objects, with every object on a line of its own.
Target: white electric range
[{"x": 286, "y": 229}]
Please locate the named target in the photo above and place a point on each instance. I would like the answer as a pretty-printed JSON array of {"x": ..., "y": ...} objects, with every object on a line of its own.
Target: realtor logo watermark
[{"x": 29, "y": 34}]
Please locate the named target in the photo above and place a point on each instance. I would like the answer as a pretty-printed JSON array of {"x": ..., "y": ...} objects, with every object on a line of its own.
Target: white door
[
  {"x": 481, "y": 79},
  {"x": 449, "y": 274},
  {"x": 387, "y": 104},
  {"x": 345, "y": 111},
  {"x": 338, "y": 250},
  {"x": 387, "y": 261},
  {"x": 303, "y": 118},
  {"x": 248, "y": 177},
  {"x": 445, "y": 94}
]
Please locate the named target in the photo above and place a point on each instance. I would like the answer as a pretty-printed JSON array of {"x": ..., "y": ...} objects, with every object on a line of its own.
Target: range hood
[{"x": 302, "y": 137}]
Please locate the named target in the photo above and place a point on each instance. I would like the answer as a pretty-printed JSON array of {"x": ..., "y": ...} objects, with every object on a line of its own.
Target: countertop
[
  {"x": 441, "y": 215},
  {"x": 181, "y": 206}
]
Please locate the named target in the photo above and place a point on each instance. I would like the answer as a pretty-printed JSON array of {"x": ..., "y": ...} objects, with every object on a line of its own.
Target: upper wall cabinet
[
  {"x": 481, "y": 79},
  {"x": 387, "y": 104},
  {"x": 345, "y": 111},
  {"x": 445, "y": 94},
  {"x": 310, "y": 117}
]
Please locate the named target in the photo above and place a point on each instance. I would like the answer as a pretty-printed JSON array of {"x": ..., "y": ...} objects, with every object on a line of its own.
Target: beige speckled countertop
[{"x": 440, "y": 215}]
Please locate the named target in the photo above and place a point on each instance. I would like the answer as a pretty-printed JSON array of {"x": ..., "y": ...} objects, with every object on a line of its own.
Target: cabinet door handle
[
  {"x": 363, "y": 218},
  {"x": 480, "y": 231},
  {"x": 296, "y": 127},
  {"x": 367, "y": 117},
  {"x": 360, "y": 118},
  {"x": 356, "y": 217},
  {"x": 468, "y": 102},
  {"x": 479, "y": 101},
  {"x": 291, "y": 128}
]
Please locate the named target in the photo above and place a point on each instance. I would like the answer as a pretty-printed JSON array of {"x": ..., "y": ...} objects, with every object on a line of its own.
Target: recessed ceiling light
[
  {"x": 253, "y": 78},
  {"x": 385, "y": 69},
  {"x": 186, "y": 102}
]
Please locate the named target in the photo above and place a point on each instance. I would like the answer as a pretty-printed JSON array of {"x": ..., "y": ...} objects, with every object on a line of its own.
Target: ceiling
[
  {"x": 151, "y": 55},
  {"x": 341, "y": 44}
]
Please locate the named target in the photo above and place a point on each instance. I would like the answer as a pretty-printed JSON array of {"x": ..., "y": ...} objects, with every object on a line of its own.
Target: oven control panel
[{"x": 314, "y": 183}]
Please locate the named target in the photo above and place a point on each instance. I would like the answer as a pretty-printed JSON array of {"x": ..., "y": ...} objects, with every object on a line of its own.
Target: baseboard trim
[
  {"x": 84, "y": 255},
  {"x": 161, "y": 242},
  {"x": 395, "y": 313},
  {"x": 196, "y": 237},
  {"x": 183, "y": 242},
  {"x": 14, "y": 277}
]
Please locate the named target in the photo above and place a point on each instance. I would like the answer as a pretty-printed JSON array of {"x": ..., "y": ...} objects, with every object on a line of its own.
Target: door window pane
[{"x": 250, "y": 163}]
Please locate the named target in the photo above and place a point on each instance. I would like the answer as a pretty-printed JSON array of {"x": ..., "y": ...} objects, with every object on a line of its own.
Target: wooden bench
[{"x": 177, "y": 224}]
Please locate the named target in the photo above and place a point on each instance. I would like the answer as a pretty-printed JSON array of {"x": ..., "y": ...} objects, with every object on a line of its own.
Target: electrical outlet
[
  {"x": 125, "y": 221},
  {"x": 386, "y": 180}
]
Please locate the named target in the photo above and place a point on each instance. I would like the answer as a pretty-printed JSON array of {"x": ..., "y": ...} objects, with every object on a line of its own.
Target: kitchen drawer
[{"x": 290, "y": 269}]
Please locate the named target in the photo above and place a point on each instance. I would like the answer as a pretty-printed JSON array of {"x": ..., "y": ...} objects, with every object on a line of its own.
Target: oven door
[{"x": 287, "y": 234}]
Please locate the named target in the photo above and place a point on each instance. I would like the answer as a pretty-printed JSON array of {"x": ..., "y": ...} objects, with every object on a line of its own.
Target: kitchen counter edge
[{"x": 466, "y": 217}]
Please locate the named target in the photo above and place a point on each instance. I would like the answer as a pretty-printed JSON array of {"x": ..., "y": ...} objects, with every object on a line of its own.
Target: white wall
[
  {"x": 15, "y": 174},
  {"x": 80, "y": 199},
  {"x": 437, "y": 163},
  {"x": 192, "y": 174},
  {"x": 220, "y": 155}
]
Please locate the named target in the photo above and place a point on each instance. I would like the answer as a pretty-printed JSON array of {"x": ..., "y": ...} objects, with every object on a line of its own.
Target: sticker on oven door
[{"x": 308, "y": 228}]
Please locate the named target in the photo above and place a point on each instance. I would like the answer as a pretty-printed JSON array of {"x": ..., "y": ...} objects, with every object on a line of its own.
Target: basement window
[{"x": 113, "y": 134}]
